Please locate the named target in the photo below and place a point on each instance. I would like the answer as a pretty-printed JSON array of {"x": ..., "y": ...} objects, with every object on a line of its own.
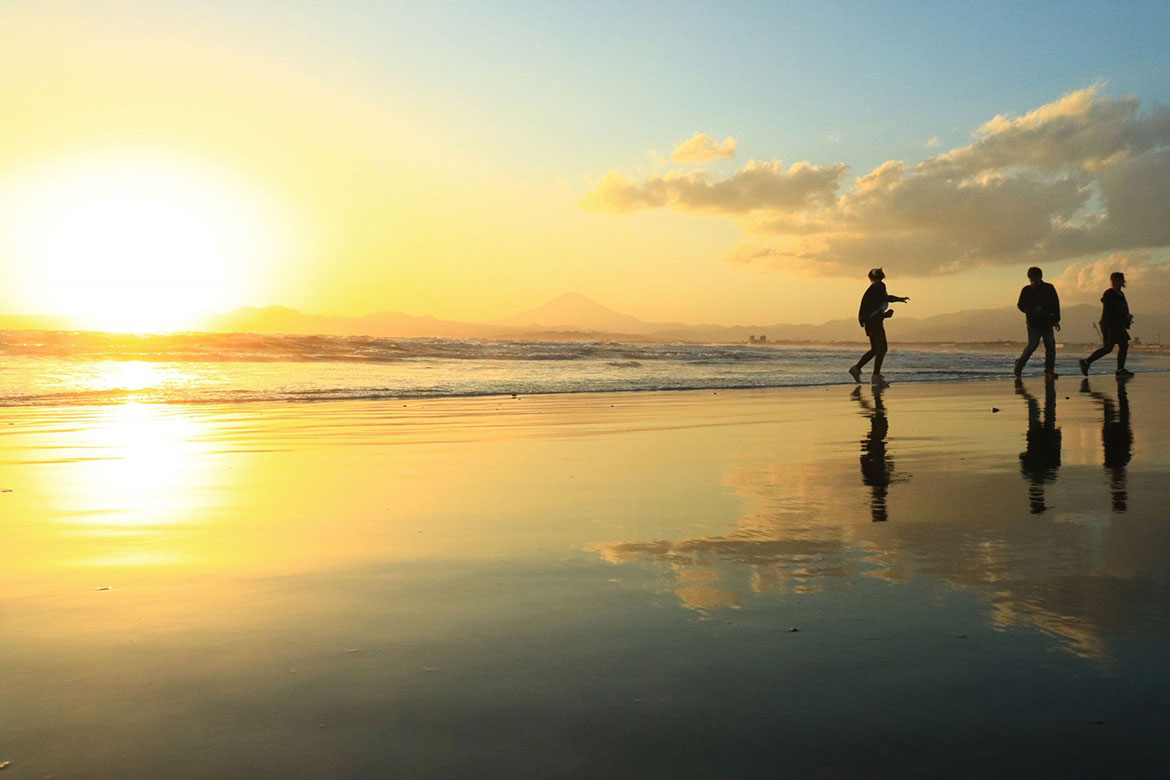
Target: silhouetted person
[
  {"x": 1117, "y": 441},
  {"x": 1040, "y": 459},
  {"x": 1115, "y": 322},
  {"x": 1041, "y": 307},
  {"x": 872, "y": 315},
  {"x": 876, "y": 466}
]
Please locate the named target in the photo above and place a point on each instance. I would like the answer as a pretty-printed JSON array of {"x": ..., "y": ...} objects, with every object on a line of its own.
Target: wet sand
[{"x": 816, "y": 582}]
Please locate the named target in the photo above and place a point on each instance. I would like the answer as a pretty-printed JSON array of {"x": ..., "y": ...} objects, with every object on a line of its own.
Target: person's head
[
  {"x": 1035, "y": 275},
  {"x": 876, "y": 274},
  {"x": 1117, "y": 280}
]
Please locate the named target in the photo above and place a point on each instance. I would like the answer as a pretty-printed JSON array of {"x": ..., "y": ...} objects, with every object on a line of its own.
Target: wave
[
  {"x": 260, "y": 348},
  {"x": 83, "y": 368}
]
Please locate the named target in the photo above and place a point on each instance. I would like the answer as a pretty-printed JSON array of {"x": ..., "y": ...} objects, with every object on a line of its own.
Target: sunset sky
[{"x": 730, "y": 163}]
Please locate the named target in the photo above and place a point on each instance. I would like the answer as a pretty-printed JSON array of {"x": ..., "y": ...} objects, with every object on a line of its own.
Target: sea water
[{"x": 68, "y": 368}]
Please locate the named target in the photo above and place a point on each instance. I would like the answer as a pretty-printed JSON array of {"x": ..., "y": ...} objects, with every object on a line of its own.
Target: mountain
[
  {"x": 573, "y": 316},
  {"x": 279, "y": 319},
  {"x": 573, "y": 311},
  {"x": 33, "y": 322}
]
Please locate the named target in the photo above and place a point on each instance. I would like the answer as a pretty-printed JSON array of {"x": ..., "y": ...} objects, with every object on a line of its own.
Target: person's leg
[
  {"x": 870, "y": 331},
  {"x": 879, "y": 346},
  {"x": 1122, "y": 352},
  {"x": 1049, "y": 349},
  {"x": 868, "y": 356},
  {"x": 1105, "y": 349},
  {"x": 1030, "y": 347}
]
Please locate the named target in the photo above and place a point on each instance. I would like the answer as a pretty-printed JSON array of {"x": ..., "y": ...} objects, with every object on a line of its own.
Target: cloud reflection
[{"x": 1075, "y": 574}]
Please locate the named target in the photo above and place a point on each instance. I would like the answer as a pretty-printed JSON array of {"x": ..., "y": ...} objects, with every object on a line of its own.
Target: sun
[{"x": 137, "y": 242}]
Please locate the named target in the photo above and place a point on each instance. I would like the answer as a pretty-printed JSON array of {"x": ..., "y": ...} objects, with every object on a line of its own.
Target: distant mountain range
[
  {"x": 574, "y": 311},
  {"x": 576, "y": 316},
  {"x": 573, "y": 316}
]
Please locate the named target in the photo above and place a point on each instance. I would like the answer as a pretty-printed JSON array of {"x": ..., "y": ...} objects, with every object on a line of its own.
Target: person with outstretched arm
[
  {"x": 1041, "y": 307},
  {"x": 1115, "y": 322},
  {"x": 872, "y": 315}
]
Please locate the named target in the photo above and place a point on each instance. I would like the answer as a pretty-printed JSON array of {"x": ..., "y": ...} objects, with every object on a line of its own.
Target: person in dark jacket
[
  {"x": 1041, "y": 307},
  {"x": 1115, "y": 322},
  {"x": 872, "y": 314}
]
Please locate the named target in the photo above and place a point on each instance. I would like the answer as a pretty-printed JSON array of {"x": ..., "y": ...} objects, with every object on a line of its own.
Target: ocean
[{"x": 46, "y": 368}]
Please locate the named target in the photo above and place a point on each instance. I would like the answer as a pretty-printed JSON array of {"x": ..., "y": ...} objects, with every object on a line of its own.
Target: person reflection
[
  {"x": 1116, "y": 440},
  {"x": 877, "y": 466},
  {"x": 1040, "y": 459}
]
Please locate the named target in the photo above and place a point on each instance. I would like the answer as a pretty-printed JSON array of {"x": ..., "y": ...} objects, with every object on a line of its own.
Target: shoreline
[{"x": 895, "y": 376}]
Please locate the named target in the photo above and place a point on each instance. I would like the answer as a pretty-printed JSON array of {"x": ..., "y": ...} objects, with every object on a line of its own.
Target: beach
[{"x": 952, "y": 579}]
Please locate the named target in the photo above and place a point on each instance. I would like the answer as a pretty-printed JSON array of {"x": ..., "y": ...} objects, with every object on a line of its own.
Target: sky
[{"x": 733, "y": 163}]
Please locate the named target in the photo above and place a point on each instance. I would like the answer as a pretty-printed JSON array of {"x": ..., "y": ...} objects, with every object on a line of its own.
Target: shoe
[
  {"x": 1017, "y": 368},
  {"x": 855, "y": 372},
  {"x": 1125, "y": 372},
  {"x": 879, "y": 381},
  {"x": 1084, "y": 364},
  {"x": 1050, "y": 375}
]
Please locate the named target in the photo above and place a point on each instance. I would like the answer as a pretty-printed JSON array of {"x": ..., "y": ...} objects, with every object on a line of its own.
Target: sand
[{"x": 959, "y": 580}]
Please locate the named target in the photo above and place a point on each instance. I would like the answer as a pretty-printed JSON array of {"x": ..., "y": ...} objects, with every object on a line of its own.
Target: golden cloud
[
  {"x": 1081, "y": 176},
  {"x": 756, "y": 186},
  {"x": 701, "y": 148},
  {"x": 1083, "y": 282}
]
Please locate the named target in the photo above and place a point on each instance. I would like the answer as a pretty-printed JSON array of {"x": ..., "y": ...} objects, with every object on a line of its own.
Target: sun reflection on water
[
  {"x": 130, "y": 375},
  {"x": 128, "y": 484}
]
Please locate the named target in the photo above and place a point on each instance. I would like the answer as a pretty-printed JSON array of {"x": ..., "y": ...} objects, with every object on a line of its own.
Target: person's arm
[
  {"x": 1022, "y": 303},
  {"x": 1055, "y": 309}
]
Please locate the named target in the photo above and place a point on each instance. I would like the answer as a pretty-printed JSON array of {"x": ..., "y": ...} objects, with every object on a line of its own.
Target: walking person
[
  {"x": 1115, "y": 322},
  {"x": 1041, "y": 307},
  {"x": 872, "y": 315}
]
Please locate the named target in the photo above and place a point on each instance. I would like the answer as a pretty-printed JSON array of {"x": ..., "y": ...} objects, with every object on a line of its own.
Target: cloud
[
  {"x": 1077, "y": 178},
  {"x": 701, "y": 148},
  {"x": 1083, "y": 282},
  {"x": 1083, "y": 130},
  {"x": 756, "y": 186},
  {"x": 934, "y": 141}
]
